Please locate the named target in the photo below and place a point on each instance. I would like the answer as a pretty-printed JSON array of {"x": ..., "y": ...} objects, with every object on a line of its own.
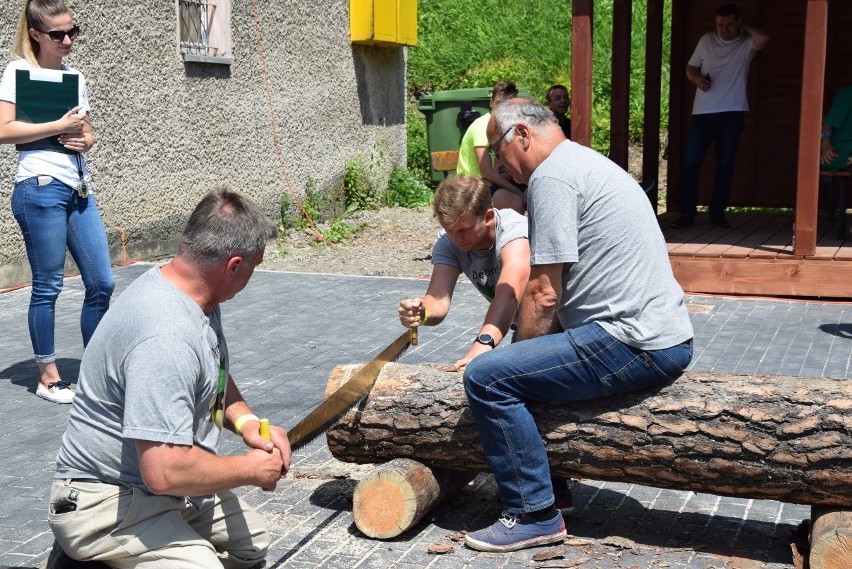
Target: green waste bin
[{"x": 448, "y": 114}]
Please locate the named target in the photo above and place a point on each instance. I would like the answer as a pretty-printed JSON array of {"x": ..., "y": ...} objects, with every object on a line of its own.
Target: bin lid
[
  {"x": 459, "y": 94},
  {"x": 428, "y": 100}
]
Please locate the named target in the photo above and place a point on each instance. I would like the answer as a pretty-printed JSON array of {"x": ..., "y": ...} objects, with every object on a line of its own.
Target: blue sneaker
[{"x": 513, "y": 532}]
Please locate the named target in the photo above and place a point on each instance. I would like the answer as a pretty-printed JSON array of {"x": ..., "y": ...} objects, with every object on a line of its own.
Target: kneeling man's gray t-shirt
[{"x": 154, "y": 370}]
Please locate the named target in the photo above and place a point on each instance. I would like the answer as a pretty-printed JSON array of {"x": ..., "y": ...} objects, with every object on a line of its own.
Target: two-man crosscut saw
[{"x": 333, "y": 408}]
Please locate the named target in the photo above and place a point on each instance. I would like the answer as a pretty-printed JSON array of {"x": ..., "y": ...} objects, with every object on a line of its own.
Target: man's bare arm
[
  {"x": 436, "y": 301},
  {"x": 180, "y": 470},
  {"x": 540, "y": 302},
  {"x": 514, "y": 275},
  {"x": 759, "y": 37}
]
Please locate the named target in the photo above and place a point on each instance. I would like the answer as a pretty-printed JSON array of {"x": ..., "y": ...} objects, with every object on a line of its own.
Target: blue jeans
[
  {"x": 53, "y": 217},
  {"x": 575, "y": 365},
  {"x": 724, "y": 130}
]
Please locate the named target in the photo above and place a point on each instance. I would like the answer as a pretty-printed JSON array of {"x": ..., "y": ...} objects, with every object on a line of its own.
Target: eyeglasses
[
  {"x": 494, "y": 149},
  {"x": 59, "y": 35}
]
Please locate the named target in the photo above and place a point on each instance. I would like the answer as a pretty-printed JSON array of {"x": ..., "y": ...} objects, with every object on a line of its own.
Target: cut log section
[
  {"x": 831, "y": 538},
  {"x": 397, "y": 495},
  {"x": 778, "y": 438}
]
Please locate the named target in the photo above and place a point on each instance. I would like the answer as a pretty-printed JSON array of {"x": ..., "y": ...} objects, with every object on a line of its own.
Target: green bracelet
[{"x": 425, "y": 317}]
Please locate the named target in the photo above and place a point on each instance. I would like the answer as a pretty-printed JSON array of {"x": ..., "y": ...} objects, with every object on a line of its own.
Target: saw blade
[{"x": 318, "y": 420}]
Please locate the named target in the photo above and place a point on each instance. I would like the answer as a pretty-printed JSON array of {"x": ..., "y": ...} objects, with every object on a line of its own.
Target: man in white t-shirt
[{"x": 719, "y": 69}]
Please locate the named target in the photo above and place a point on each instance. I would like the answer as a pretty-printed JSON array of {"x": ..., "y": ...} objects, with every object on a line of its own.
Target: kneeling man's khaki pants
[{"x": 133, "y": 528}]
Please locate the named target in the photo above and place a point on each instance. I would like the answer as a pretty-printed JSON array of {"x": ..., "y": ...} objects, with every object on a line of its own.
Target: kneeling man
[{"x": 139, "y": 482}]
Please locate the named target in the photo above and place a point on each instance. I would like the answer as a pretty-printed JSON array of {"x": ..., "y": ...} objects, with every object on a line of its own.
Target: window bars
[{"x": 193, "y": 27}]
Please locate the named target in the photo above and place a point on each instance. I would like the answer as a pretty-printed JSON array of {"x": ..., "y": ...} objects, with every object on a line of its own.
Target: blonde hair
[
  {"x": 460, "y": 196},
  {"x": 33, "y": 16}
]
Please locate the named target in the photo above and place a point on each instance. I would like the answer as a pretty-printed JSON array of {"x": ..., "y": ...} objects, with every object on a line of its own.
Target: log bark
[
  {"x": 779, "y": 438},
  {"x": 831, "y": 538},
  {"x": 397, "y": 495}
]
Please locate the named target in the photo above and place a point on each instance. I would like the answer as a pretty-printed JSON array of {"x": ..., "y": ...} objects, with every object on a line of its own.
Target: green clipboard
[{"x": 44, "y": 95}]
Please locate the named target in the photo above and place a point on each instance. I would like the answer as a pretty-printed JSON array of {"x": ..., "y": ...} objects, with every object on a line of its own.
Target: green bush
[
  {"x": 338, "y": 232},
  {"x": 405, "y": 189},
  {"x": 357, "y": 191},
  {"x": 287, "y": 220},
  {"x": 318, "y": 205}
]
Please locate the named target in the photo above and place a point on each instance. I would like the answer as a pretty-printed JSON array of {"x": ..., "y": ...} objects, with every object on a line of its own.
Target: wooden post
[
  {"x": 679, "y": 100},
  {"x": 620, "y": 110},
  {"x": 653, "y": 79},
  {"x": 581, "y": 72},
  {"x": 810, "y": 122}
]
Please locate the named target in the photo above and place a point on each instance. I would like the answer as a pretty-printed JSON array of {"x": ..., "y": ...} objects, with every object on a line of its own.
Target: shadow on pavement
[
  {"x": 839, "y": 330},
  {"x": 25, "y": 373}
]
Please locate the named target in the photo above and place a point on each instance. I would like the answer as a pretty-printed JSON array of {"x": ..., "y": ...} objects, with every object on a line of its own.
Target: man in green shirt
[{"x": 474, "y": 159}]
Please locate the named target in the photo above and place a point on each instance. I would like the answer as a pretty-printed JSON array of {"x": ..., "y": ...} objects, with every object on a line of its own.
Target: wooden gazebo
[{"x": 769, "y": 251}]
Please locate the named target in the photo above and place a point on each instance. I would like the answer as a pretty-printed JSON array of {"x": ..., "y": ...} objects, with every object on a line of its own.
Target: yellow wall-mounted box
[{"x": 383, "y": 22}]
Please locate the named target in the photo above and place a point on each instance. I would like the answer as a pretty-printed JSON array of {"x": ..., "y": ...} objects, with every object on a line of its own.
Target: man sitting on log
[
  {"x": 138, "y": 481},
  {"x": 602, "y": 313},
  {"x": 490, "y": 247}
]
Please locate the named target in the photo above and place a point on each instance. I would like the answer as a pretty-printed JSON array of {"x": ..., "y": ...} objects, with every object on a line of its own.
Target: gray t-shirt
[
  {"x": 154, "y": 370},
  {"x": 589, "y": 214},
  {"x": 482, "y": 267}
]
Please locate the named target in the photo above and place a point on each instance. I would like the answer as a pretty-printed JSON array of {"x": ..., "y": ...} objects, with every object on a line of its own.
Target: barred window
[{"x": 204, "y": 30}]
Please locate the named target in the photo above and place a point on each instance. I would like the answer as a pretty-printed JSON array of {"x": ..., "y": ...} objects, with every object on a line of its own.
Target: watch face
[{"x": 486, "y": 339}]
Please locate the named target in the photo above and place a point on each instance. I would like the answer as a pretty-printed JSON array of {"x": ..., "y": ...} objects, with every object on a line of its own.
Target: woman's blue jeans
[
  {"x": 53, "y": 217},
  {"x": 723, "y": 130},
  {"x": 575, "y": 365}
]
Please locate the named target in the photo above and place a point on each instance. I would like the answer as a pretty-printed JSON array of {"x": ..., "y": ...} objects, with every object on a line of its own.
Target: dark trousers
[{"x": 724, "y": 130}]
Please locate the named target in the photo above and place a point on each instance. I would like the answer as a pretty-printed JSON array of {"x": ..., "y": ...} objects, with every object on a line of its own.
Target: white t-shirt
[
  {"x": 63, "y": 167},
  {"x": 727, "y": 63}
]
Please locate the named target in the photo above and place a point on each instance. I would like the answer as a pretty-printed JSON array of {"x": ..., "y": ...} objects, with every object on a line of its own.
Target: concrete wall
[{"x": 167, "y": 131}]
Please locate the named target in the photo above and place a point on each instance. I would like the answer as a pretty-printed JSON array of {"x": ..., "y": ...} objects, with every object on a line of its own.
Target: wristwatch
[{"x": 486, "y": 339}]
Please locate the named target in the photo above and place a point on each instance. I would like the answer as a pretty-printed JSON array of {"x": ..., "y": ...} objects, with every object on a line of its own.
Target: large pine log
[{"x": 780, "y": 438}]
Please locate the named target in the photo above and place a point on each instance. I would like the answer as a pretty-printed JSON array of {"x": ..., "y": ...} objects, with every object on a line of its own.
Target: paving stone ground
[{"x": 287, "y": 331}]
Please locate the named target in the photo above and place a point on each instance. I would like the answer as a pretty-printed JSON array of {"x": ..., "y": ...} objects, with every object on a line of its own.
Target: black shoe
[
  {"x": 721, "y": 223},
  {"x": 682, "y": 222}
]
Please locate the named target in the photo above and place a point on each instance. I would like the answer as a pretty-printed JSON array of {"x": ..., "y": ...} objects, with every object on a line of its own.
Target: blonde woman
[{"x": 52, "y": 200}]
